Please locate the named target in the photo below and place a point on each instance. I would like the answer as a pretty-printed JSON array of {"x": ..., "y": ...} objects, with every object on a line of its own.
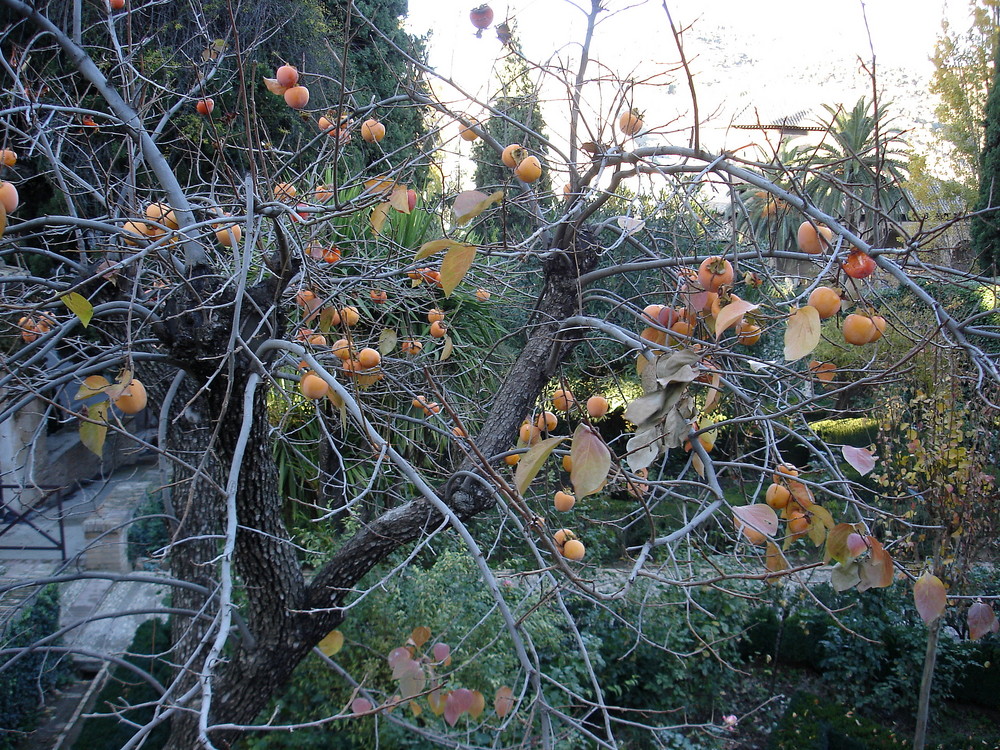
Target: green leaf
[
  {"x": 591, "y": 462},
  {"x": 455, "y": 265},
  {"x": 80, "y": 306},
  {"x": 93, "y": 433},
  {"x": 532, "y": 461}
]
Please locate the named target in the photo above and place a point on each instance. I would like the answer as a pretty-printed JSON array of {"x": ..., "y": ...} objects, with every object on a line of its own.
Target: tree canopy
[{"x": 377, "y": 413}]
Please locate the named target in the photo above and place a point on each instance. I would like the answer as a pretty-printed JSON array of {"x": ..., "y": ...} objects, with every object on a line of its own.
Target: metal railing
[{"x": 10, "y": 519}]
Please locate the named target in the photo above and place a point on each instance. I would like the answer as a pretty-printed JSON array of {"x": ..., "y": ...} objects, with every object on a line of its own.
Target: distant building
[{"x": 787, "y": 127}]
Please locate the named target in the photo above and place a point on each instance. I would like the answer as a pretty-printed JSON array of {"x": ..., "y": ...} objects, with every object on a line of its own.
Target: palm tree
[
  {"x": 855, "y": 174},
  {"x": 858, "y": 171}
]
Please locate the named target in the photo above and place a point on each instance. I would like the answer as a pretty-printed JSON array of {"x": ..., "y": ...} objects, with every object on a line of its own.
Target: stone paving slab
[{"x": 86, "y": 600}]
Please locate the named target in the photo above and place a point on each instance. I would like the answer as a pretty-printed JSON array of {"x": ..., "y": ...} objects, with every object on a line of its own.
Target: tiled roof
[{"x": 794, "y": 121}]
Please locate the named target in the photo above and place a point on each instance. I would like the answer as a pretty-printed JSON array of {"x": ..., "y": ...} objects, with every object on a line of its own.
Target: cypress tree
[
  {"x": 518, "y": 100},
  {"x": 985, "y": 226}
]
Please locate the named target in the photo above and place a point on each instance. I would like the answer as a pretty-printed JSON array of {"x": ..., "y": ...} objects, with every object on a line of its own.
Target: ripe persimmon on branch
[{"x": 346, "y": 357}]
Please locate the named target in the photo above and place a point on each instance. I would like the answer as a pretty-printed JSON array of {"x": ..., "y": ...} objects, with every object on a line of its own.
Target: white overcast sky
[{"x": 779, "y": 56}]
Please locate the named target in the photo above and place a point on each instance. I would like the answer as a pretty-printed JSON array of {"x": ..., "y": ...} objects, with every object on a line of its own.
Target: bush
[
  {"x": 685, "y": 658},
  {"x": 810, "y": 723},
  {"x": 890, "y": 667},
  {"x": 149, "y": 532},
  {"x": 786, "y": 636},
  {"x": 858, "y": 431},
  {"x": 23, "y": 685},
  {"x": 444, "y": 593},
  {"x": 124, "y": 687}
]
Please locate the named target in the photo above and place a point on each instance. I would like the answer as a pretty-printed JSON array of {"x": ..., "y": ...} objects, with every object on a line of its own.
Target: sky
[{"x": 772, "y": 57}]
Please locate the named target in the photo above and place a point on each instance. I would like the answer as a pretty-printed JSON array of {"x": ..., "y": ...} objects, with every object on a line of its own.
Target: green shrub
[
  {"x": 812, "y": 723},
  {"x": 23, "y": 685},
  {"x": 890, "y": 668},
  {"x": 859, "y": 431},
  {"x": 124, "y": 687},
  {"x": 685, "y": 658},
  {"x": 444, "y": 593},
  {"x": 978, "y": 682},
  {"x": 787, "y": 637},
  {"x": 149, "y": 532}
]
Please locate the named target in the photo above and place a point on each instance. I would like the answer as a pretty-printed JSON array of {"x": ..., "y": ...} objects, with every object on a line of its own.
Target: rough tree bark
[{"x": 286, "y": 618}]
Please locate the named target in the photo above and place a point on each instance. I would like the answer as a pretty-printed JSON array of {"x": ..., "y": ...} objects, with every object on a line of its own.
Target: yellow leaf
[
  {"x": 471, "y": 203},
  {"x": 732, "y": 314},
  {"x": 802, "y": 334},
  {"x": 91, "y": 386},
  {"x": 79, "y": 306},
  {"x": 759, "y": 517},
  {"x": 436, "y": 699},
  {"x": 274, "y": 87},
  {"x": 399, "y": 200},
  {"x": 503, "y": 701},
  {"x": 823, "y": 515},
  {"x": 420, "y": 635},
  {"x": 3, "y": 219},
  {"x": 591, "y": 461},
  {"x": 121, "y": 386},
  {"x": 447, "y": 349},
  {"x": 930, "y": 596},
  {"x": 478, "y": 704},
  {"x": 212, "y": 51},
  {"x": 94, "y": 429},
  {"x": 436, "y": 246},
  {"x": 331, "y": 643},
  {"x": 387, "y": 341},
  {"x": 455, "y": 265},
  {"x": 774, "y": 561},
  {"x": 817, "y": 531},
  {"x": 877, "y": 571},
  {"x": 378, "y": 217},
  {"x": 714, "y": 393},
  {"x": 379, "y": 186}
]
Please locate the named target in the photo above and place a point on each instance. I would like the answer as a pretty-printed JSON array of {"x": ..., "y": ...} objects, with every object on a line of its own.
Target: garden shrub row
[{"x": 23, "y": 685}]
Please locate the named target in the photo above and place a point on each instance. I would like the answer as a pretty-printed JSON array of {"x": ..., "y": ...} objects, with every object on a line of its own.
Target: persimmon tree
[{"x": 243, "y": 276}]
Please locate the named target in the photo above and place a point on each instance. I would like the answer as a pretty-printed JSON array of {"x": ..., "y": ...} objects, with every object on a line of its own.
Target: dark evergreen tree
[
  {"x": 371, "y": 71},
  {"x": 985, "y": 227},
  {"x": 517, "y": 101}
]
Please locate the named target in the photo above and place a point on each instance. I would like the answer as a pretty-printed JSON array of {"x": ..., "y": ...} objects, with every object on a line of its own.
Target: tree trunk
[
  {"x": 285, "y": 618},
  {"x": 926, "y": 680}
]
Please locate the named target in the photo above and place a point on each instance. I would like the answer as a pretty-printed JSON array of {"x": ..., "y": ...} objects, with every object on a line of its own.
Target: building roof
[{"x": 793, "y": 123}]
